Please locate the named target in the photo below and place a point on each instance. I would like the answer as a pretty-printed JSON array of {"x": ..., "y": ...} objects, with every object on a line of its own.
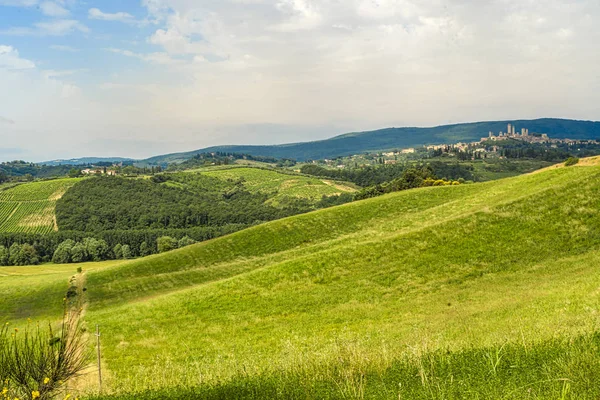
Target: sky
[{"x": 137, "y": 78}]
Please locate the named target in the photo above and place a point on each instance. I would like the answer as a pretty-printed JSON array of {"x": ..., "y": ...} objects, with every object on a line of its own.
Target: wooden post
[{"x": 99, "y": 359}]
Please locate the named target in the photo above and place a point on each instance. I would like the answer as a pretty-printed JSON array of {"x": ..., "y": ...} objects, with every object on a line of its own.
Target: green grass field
[
  {"x": 30, "y": 207},
  {"x": 481, "y": 291},
  {"x": 281, "y": 185}
]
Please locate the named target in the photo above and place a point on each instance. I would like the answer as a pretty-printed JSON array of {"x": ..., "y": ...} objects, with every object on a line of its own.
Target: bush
[
  {"x": 166, "y": 243},
  {"x": 37, "y": 363},
  {"x": 571, "y": 161}
]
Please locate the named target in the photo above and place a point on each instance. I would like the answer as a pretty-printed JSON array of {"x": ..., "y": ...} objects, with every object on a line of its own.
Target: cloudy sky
[{"x": 138, "y": 78}]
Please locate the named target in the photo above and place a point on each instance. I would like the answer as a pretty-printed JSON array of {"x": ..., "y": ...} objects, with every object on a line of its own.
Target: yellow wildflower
[
  {"x": 35, "y": 394},
  {"x": 46, "y": 381},
  {"x": 67, "y": 397}
]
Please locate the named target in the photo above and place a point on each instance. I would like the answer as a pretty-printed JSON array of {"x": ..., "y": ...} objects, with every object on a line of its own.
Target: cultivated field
[
  {"x": 30, "y": 207},
  {"x": 475, "y": 291},
  {"x": 280, "y": 184}
]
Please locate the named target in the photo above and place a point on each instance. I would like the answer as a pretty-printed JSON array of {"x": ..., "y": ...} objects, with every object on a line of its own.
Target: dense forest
[
  {"x": 25, "y": 171},
  {"x": 167, "y": 201},
  {"x": 224, "y": 158}
]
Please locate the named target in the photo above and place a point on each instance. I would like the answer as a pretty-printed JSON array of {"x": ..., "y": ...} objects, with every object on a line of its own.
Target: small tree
[
  {"x": 166, "y": 243},
  {"x": 185, "y": 241},
  {"x": 126, "y": 252},
  {"x": 145, "y": 250},
  {"x": 14, "y": 254},
  {"x": 4, "y": 256},
  {"x": 63, "y": 253},
  {"x": 571, "y": 161},
  {"x": 79, "y": 253},
  {"x": 74, "y": 173},
  {"x": 28, "y": 255},
  {"x": 118, "y": 251},
  {"x": 97, "y": 249}
]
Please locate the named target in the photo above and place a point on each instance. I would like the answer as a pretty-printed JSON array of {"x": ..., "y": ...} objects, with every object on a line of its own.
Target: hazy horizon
[{"x": 142, "y": 78}]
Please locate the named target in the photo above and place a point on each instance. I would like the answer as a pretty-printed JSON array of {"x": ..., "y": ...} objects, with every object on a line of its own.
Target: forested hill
[{"x": 391, "y": 138}]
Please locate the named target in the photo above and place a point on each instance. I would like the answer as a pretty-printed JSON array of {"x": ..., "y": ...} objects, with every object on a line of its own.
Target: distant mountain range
[
  {"x": 392, "y": 138},
  {"x": 86, "y": 160}
]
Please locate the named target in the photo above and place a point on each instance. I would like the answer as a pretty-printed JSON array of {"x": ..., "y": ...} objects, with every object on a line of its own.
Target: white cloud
[
  {"x": 156, "y": 58},
  {"x": 10, "y": 59},
  {"x": 94, "y": 13},
  {"x": 61, "y": 27},
  {"x": 57, "y": 27},
  {"x": 53, "y": 9}
]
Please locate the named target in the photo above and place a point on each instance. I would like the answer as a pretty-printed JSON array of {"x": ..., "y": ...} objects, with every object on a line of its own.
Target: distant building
[{"x": 408, "y": 151}]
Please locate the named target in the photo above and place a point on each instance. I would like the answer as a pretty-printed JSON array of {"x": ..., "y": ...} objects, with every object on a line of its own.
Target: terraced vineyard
[{"x": 30, "y": 207}]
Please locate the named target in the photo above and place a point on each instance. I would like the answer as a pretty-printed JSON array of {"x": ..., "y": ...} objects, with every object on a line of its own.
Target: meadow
[
  {"x": 30, "y": 208},
  {"x": 279, "y": 185},
  {"x": 480, "y": 291}
]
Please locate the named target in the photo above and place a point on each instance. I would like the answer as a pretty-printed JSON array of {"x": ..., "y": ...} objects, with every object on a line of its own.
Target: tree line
[
  {"x": 411, "y": 178},
  {"x": 32, "y": 249},
  {"x": 379, "y": 175}
]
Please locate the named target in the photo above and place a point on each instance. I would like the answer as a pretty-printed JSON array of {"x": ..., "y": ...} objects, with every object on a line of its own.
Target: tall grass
[{"x": 554, "y": 369}]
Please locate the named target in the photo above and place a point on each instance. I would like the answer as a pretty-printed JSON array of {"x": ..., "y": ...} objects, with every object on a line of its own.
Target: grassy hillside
[
  {"x": 30, "y": 207},
  {"x": 393, "y": 138},
  {"x": 475, "y": 291},
  {"x": 280, "y": 186}
]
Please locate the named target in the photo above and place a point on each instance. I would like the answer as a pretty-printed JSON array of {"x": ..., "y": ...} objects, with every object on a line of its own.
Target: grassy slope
[
  {"x": 30, "y": 207},
  {"x": 281, "y": 185},
  {"x": 365, "y": 286}
]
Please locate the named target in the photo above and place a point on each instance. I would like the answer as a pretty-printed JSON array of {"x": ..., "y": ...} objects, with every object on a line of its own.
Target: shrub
[
  {"x": 37, "y": 363},
  {"x": 166, "y": 243},
  {"x": 571, "y": 161}
]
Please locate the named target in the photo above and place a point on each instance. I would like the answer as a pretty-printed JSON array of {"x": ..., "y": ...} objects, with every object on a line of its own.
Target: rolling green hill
[
  {"x": 31, "y": 207},
  {"x": 393, "y": 138},
  {"x": 280, "y": 186},
  {"x": 487, "y": 290}
]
